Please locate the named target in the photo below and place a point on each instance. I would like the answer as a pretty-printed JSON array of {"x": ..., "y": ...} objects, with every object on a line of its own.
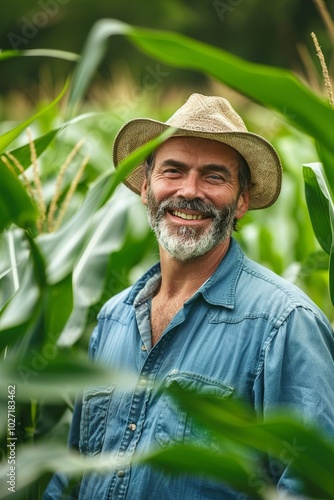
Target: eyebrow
[{"x": 213, "y": 167}]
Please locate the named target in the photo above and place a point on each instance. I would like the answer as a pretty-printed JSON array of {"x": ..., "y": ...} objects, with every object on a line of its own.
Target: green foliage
[
  {"x": 273, "y": 87},
  {"x": 7, "y": 138},
  {"x": 58, "y": 54},
  {"x": 15, "y": 205},
  {"x": 318, "y": 197},
  {"x": 321, "y": 207},
  {"x": 243, "y": 445}
]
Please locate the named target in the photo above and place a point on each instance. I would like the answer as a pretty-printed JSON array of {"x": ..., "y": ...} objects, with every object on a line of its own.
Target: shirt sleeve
[{"x": 297, "y": 376}]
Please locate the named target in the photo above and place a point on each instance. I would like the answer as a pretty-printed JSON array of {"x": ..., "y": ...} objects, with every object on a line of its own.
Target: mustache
[{"x": 182, "y": 203}]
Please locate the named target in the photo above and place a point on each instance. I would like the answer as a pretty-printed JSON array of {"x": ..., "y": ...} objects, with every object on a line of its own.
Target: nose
[{"x": 190, "y": 187}]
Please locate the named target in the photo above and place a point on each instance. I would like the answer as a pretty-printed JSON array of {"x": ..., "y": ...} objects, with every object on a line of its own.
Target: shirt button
[
  {"x": 143, "y": 347},
  {"x": 143, "y": 382},
  {"x": 132, "y": 427},
  {"x": 121, "y": 473}
]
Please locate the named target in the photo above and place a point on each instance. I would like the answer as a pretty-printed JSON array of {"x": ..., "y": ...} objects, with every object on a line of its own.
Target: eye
[
  {"x": 172, "y": 172},
  {"x": 215, "y": 178}
]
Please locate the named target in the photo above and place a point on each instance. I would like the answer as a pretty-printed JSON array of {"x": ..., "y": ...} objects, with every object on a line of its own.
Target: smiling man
[
  {"x": 193, "y": 198},
  {"x": 205, "y": 318}
]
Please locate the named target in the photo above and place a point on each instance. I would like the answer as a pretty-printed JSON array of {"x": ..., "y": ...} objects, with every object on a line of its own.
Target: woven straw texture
[{"x": 210, "y": 118}]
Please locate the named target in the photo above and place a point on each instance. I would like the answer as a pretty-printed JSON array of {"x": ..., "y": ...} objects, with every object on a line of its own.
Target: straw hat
[{"x": 209, "y": 118}]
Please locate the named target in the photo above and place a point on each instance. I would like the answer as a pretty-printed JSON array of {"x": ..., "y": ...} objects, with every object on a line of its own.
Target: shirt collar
[
  {"x": 141, "y": 283},
  {"x": 218, "y": 290}
]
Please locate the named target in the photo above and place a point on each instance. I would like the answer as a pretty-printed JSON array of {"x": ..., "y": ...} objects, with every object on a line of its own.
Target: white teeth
[{"x": 188, "y": 216}]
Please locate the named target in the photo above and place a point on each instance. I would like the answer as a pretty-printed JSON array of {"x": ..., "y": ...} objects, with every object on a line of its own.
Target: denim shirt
[{"x": 246, "y": 333}]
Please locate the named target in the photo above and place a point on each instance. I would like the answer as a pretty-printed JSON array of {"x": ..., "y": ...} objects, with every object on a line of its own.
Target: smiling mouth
[{"x": 185, "y": 216}]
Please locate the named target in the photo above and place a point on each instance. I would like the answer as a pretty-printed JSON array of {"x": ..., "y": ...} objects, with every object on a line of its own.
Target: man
[{"x": 205, "y": 317}]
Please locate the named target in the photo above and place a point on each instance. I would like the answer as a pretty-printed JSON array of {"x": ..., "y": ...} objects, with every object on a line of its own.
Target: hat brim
[{"x": 262, "y": 159}]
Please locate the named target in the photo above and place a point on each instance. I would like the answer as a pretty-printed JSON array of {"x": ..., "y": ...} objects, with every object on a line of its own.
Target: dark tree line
[{"x": 257, "y": 30}]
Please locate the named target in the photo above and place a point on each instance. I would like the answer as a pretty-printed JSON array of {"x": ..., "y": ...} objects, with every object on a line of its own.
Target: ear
[
  {"x": 242, "y": 205},
  {"x": 143, "y": 193}
]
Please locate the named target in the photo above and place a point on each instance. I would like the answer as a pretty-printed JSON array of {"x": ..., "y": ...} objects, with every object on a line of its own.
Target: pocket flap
[{"x": 199, "y": 384}]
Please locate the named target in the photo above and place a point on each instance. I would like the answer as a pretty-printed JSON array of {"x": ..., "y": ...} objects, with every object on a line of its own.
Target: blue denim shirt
[{"x": 246, "y": 332}]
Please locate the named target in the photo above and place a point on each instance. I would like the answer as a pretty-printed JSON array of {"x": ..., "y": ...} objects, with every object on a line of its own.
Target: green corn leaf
[
  {"x": 58, "y": 54},
  {"x": 37, "y": 312},
  {"x": 230, "y": 421},
  {"x": 274, "y": 87},
  {"x": 34, "y": 461},
  {"x": 321, "y": 209},
  {"x": 320, "y": 204},
  {"x": 228, "y": 467},
  {"x": 326, "y": 157},
  {"x": 23, "y": 155},
  {"x": 271, "y": 86},
  {"x": 7, "y": 138},
  {"x": 16, "y": 322},
  {"x": 89, "y": 274},
  {"x": 15, "y": 204},
  {"x": 92, "y": 54},
  {"x": 50, "y": 373}
]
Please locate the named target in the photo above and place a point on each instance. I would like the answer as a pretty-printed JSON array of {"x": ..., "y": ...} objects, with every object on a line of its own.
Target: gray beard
[{"x": 187, "y": 243}]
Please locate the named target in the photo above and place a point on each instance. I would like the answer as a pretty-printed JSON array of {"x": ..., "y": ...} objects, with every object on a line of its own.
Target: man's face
[{"x": 192, "y": 195}]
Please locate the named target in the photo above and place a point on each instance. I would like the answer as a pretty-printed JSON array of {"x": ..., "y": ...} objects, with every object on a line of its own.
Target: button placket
[{"x": 136, "y": 417}]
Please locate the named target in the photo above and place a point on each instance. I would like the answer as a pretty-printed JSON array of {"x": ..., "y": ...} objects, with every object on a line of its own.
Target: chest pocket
[
  {"x": 95, "y": 406},
  {"x": 175, "y": 425}
]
